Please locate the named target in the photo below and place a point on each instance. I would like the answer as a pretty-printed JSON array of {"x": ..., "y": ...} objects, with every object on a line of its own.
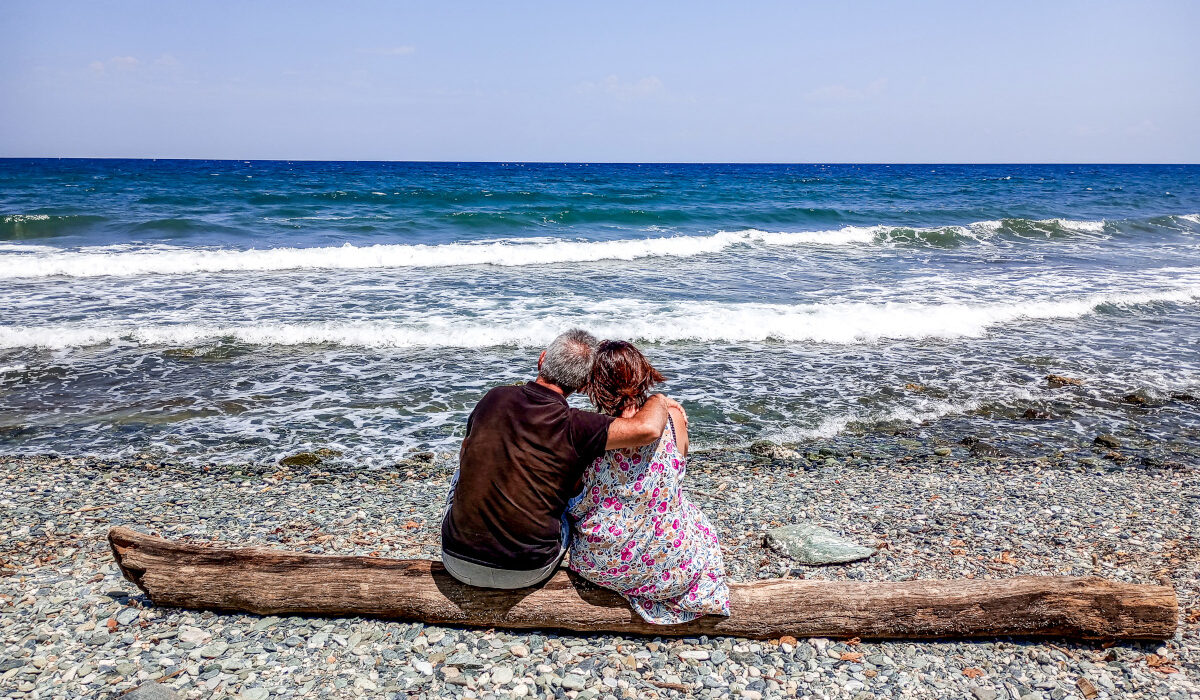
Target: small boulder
[
  {"x": 1136, "y": 399},
  {"x": 814, "y": 545},
  {"x": 1109, "y": 441},
  {"x": 1034, "y": 414},
  {"x": 979, "y": 448},
  {"x": 309, "y": 459},
  {"x": 770, "y": 450},
  {"x": 1184, "y": 396},
  {"x": 301, "y": 459},
  {"x": 1057, "y": 381}
]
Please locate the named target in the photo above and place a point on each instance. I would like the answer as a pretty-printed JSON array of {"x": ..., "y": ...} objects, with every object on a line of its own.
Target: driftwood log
[{"x": 268, "y": 581}]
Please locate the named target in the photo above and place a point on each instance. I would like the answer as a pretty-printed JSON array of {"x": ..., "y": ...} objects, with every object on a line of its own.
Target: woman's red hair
[{"x": 622, "y": 377}]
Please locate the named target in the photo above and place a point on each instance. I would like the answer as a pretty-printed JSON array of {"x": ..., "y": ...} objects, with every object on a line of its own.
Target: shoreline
[{"x": 72, "y": 627}]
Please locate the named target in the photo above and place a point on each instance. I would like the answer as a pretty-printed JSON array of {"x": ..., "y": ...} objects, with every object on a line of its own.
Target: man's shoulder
[
  {"x": 500, "y": 396},
  {"x": 503, "y": 391}
]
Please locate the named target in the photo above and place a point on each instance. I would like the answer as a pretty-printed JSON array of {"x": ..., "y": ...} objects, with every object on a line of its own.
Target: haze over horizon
[{"x": 775, "y": 82}]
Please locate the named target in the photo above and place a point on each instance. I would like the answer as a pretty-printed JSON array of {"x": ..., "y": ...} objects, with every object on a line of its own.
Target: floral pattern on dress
[{"x": 634, "y": 531}]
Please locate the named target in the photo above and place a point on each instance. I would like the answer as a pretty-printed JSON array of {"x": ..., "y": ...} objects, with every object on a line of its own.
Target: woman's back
[{"x": 637, "y": 533}]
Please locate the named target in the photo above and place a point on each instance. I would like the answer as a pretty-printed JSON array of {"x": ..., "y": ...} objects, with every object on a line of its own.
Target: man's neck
[{"x": 553, "y": 387}]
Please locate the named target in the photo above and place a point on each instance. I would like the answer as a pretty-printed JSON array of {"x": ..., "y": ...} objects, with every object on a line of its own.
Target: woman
[{"x": 634, "y": 530}]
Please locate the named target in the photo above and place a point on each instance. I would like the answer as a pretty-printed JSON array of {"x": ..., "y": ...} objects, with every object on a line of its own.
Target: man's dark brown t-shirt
[{"x": 521, "y": 461}]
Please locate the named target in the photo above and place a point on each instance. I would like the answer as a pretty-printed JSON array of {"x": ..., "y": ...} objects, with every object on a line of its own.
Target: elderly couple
[{"x": 537, "y": 478}]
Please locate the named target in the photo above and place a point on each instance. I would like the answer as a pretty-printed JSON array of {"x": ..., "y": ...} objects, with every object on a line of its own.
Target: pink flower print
[
  {"x": 612, "y": 502},
  {"x": 623, "y": 568},
  {"x": 677, "y": 543},
  {"x": 637, "y": 459},
  {"x": 647, "y": 560},
  {"x": 662, "y": 507},
  {"x": 666, "y": 576},
  {"x": 654, "y": 493},
  {"x": 675, "y": 524}
]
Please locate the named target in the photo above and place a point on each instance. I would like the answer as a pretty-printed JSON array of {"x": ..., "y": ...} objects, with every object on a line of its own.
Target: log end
[{"x": 122, "y": 540}]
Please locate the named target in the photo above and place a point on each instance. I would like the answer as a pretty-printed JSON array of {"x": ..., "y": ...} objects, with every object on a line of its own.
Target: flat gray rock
[
  {"x": 151, "y": 691},
  {"x": 814, "y": 545}
]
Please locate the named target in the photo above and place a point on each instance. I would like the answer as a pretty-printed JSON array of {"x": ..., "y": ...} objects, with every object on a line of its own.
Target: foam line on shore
[
  {"x": 923, "y": 410},
  {"x": 706, "y": 322}
]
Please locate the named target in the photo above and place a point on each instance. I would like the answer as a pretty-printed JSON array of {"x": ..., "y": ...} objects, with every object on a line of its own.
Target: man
[{"x": 522, "y": 460}]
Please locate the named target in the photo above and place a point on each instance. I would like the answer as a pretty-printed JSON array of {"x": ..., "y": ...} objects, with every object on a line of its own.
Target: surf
[
  {"x": 631, "y": 319},
  {"x": 128, "y": 260}
]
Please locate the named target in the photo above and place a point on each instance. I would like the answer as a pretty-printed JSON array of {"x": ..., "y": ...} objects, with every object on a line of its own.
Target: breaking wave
[
  {"x": 637, "y": 320},
  {"x": 129, "y": 260},
  {"x": 15, "y": 227}
]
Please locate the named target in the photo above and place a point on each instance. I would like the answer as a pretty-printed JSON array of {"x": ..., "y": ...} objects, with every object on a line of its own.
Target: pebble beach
[{"x": 71, "y": 626}]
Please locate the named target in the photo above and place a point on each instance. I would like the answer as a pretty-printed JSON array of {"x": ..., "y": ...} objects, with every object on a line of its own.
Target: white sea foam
[
  {"x": 21, "y": 218},
  {"x": 922, "y": 410},
  {"x": 1078, "y": 226},
  {"x": 709, "y": 322},
  {"x": 26, "y": 248},
  {"x": 848, "y": 235},
  {"x": 1193, "y": 218},
  {"x": 167, "y": 260},
  {"x": 125, "y": 260}
]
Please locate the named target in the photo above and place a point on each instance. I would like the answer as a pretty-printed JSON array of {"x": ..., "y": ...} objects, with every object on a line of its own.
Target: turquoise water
[{"x": 229, "y": 310}]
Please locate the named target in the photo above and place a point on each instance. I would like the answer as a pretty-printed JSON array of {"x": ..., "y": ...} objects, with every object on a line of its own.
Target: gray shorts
[{"x": 482, "y": 576}]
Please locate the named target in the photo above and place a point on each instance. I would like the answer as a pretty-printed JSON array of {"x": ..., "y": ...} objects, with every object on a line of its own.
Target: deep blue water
[{"x": 242, "y": 310}]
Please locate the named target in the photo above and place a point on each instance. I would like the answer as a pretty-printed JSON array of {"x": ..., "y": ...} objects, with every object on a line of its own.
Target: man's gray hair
[{"x": 569, "y": 360}]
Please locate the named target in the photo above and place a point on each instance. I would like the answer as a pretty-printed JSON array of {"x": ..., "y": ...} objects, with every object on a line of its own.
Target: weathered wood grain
[{"x": 268, "y": 581}]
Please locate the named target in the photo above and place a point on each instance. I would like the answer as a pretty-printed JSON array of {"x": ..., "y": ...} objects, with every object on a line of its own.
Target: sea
[{"x": 241, "y": 311}]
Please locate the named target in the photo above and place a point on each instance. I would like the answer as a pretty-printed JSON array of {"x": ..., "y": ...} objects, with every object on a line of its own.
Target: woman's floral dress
[{"x": 635, "y": 532}]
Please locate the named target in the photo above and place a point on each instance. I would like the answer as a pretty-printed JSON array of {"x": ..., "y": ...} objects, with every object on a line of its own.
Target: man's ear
[{"x": 541, "y": 359}]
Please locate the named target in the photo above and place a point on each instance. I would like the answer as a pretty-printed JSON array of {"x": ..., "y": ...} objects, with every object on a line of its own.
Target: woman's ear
[{"x": 541, "y": 359}]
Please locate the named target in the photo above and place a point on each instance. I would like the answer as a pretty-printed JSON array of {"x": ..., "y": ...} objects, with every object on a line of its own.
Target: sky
[{"x": 793, "y": 81}]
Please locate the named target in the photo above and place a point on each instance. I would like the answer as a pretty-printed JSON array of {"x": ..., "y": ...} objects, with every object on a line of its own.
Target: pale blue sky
[{"x": 614, "y": 81}]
